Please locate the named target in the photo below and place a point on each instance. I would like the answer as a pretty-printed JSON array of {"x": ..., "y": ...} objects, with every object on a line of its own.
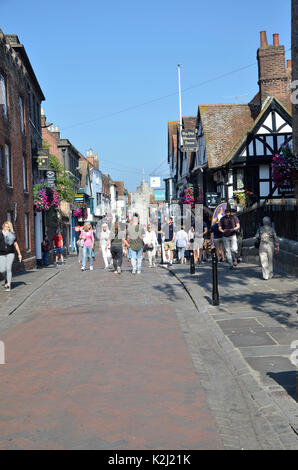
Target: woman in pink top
[{"x": 88, "y": 239}]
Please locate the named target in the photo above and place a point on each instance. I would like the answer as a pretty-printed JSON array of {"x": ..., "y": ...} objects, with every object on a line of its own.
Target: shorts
[
  {"x": 218, "y": 242},
  {"x": 169, "y": 246},
  {"x": 198, "y": 243},
  {"x": 59, "y": 250}
]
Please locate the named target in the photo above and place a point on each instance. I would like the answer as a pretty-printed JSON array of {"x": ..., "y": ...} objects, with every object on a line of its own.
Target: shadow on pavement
[{"x": 286, "y": 379}]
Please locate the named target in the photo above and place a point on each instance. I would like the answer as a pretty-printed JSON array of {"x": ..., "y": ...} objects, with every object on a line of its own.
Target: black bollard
[
  {"x": 192, "y": 263},
  {"x": 215, "y": 296}
]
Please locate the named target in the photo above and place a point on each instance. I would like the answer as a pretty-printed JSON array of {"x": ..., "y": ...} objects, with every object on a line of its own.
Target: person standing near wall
[
  {"x": 268, "y": 244},
  {"x": 8, "y": 245},
  {"x": 45, "y": 248}
]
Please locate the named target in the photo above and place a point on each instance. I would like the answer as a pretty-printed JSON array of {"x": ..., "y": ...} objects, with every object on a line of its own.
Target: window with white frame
[
  {"x": 26, "y": 225},
  {"x": 3, "y": 101},
  {"x": 7, "y": 166}
]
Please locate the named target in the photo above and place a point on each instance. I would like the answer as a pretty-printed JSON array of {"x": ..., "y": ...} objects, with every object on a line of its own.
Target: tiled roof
[
  {"x": 189, "y": 122},
  {"x": 173, "y": 128},
  {"x": 224, "y": 126}
]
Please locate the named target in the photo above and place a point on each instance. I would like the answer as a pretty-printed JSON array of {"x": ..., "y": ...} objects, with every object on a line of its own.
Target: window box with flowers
[{"x": 243, "y": 197}]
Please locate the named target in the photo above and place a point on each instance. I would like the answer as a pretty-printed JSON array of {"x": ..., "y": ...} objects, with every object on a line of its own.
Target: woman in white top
[
  {"x": 104, "y": 245},
  {"x": 150, "y": 242},
  {"x": 181, "y": 241}
]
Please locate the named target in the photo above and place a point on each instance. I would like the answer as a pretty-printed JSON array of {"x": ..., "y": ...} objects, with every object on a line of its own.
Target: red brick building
[{"x": 17, "y": 80}]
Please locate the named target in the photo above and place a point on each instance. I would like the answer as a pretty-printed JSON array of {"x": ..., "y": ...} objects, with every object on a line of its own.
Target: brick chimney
[
  {"x": 92, "y": 158},
  {"x": 274, "y": 80}
]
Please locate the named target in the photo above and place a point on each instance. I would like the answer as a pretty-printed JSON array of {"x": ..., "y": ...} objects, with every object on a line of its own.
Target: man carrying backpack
[{"x": 229, "y": 225}]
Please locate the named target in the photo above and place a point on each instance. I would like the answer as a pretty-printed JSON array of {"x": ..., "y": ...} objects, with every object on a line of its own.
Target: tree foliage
[{"x": 64, "y": 184}]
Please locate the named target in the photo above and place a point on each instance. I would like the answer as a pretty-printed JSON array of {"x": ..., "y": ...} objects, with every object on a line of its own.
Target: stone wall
[{"x": 285, "y": 262}]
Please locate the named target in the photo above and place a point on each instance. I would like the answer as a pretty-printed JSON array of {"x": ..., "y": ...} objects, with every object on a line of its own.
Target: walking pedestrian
[
  {"x": 216, "y": 238},
  {"x": 136, "y": 244},
  {"x": 45, "y": 248},
  {"x": 58, "y": 246},
  {"x": 268, "y": 244},
  {"x": 87, "y": 236},
  {"x": 104, "y": 245},
  {"x": 80, "y": 244},
  {"x": 8, "y": 245},
  {"x": 169, "y": 242},
  {"x": 181, "y": 241},
  {"x": 116, "y": 242},
  {"x": 228, "y": 225},
  {"x": 199, "y": 241},
  {"x": 150, "y": 244}
]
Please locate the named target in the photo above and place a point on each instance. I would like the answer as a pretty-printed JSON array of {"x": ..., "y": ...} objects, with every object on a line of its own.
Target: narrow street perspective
[
  {"x": 149, "y": 228},
  {"x": 97, "y": 360}
]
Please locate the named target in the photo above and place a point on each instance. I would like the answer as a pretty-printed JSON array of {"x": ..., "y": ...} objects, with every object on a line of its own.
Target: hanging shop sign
[
  {"x": 189, "y": 139},
  {"x": 43, "y": 159},
  {"x": 50, "y": 177}
]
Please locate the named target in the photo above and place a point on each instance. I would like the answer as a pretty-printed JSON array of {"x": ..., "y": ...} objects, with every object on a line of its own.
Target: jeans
[
  {"x": 181, "y": 253},
  {"x": 151, "y": 256},
  {"x": 136, "y": 259},
  {"x": 6, "y": 266},
  {"x": 231, "y": 247},
  {"x": 45, "y": 255},
  {"x": 116, "y": 253},
  {"x": 87, "y": 251}
]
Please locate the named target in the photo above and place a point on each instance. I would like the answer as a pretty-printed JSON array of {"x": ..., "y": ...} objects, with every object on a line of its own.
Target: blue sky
[{"x": 109, "y": 69}]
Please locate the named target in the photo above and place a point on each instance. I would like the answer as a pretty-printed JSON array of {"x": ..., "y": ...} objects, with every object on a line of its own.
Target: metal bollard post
[
  {"x": 215, "y": 296},
  {"x": 192, "y": 263}
]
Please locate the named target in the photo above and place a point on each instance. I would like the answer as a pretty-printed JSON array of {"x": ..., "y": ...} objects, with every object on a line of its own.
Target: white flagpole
[{"x": 180, "y": 106}]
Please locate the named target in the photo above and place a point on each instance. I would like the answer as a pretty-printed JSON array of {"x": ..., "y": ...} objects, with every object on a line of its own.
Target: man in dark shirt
[{"x": 229, "y": 225}]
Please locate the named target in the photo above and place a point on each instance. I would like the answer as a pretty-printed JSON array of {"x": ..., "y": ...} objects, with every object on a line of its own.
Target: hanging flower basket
[
  {"x": 45, "y": 198},
  {"x": 188, "y": 197},
  {"x": 285, "y": 168},
  {"x": 79, "y": 212}
]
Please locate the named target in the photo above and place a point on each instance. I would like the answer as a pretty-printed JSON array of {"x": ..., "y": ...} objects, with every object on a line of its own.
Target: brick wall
[
  {"x": 274, "y": 77},
  {"x": 13, "y": 198},
  {"x": 295, "y": 68},
  {"x": 52, "y": 139}
]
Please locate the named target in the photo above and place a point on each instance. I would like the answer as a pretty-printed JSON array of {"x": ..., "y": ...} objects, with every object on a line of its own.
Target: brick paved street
[{"x": 100, "y": 361}]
